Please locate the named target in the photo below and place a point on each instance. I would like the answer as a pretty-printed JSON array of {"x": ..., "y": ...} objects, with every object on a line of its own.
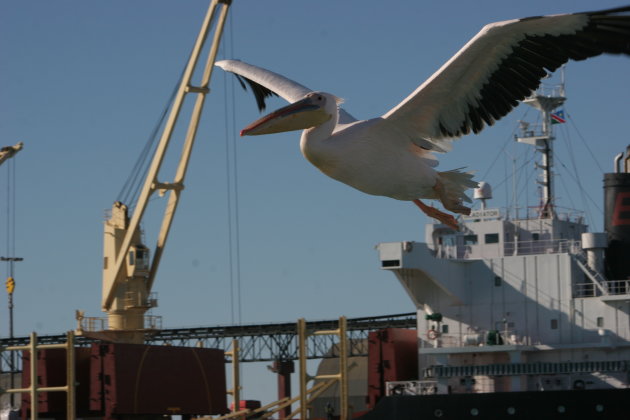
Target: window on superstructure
[
  {"x": 492, "y": 238},
  {"x": 554, "y": 324},
  {"x": 497, "y": 281},
  {"x": 600, "y": 321},
  {"x": 470, "y": 239},
  {"x": 444, "y": 329},
  {"x": 535, "y": 236}
]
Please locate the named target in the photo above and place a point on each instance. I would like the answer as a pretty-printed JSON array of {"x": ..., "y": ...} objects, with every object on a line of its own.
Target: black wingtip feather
[
  {"x": 260, "y": 92},
  {"x": 519, "y": 74}
]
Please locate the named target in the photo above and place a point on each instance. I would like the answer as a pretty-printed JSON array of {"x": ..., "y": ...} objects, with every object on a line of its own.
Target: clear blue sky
[{"x": 83, "y": 82}]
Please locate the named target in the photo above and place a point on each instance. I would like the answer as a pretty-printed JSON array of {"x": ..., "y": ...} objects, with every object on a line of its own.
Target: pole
[
  {"x": 11, "y": 356},
  {"x": 10, "y": 284},
  {"x": 33, "y": 363},
  {"x": 71, "y": 410},
  {"x": 236, "y": 375},
  {"x": 301, "y": 327},
  {"x": 343, "y": 369},
  {"x": 284, "y": 368}
]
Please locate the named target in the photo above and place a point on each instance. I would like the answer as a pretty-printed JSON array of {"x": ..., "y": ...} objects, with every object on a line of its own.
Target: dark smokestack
[{"x": 617, "y": 219}]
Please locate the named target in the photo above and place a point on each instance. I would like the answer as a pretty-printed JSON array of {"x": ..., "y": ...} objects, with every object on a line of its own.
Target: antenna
[{"x": 545, "y": 99}]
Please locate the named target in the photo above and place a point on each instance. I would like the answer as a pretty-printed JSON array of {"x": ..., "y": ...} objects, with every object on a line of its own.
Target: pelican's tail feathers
[{"x": 451, "y": 188}]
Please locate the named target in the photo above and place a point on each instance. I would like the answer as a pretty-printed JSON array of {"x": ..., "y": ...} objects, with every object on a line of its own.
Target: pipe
[{"x": 616, "y": 164}]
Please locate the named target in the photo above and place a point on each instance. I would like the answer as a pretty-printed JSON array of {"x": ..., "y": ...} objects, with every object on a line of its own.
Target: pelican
[{"x": 394, "y": 155}]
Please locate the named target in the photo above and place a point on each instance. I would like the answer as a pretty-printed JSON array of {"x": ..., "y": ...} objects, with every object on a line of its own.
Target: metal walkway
[{"x": 260, "y": 342}]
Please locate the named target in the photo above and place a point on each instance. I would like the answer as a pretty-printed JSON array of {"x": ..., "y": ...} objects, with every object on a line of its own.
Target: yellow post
[
  {"x": 343, "y": 369},
  {"x": 301, "y": 327},
  {"x": 341, "y": 377},
  {"x": 70, "y": 378},
  {"x": 236, "y": 385},
  {"x": 33, "y": 363}
]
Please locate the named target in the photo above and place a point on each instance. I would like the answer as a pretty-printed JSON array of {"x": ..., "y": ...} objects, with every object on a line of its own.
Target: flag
[{"x": 558, "y": 117}]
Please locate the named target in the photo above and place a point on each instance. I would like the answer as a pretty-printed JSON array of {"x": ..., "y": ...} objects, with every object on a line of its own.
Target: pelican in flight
[{"x": 393, "y": 155}]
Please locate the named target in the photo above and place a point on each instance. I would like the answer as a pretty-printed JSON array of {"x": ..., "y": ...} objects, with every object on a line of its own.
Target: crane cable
[
  {"x": 232, "y": 191},
  {"x": 10, "y": 209},
  {"x": 231, "y": 163},
  {"x": 584, "y": 195},
  {"x": 130, "y": 191},
  {"x": 527, "y": 159}
]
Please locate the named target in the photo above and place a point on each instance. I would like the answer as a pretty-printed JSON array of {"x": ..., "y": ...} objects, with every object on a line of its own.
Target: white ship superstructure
[{"x": 511, "y": 303}]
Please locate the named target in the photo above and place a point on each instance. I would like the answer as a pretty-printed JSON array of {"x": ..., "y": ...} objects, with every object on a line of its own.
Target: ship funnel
[{"x": 617, "y": 218}]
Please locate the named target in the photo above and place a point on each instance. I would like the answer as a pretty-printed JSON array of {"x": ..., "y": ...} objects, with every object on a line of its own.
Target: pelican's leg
[
  {"x": 445, "y": 218},
  {"x": 452, "y": 204}
]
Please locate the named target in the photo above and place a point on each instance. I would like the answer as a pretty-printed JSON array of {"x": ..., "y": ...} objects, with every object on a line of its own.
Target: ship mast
[{"x": 545, "y": 100}]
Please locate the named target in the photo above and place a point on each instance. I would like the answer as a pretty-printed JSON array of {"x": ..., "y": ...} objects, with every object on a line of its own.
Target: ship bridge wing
[{"x": 422, "y": 275}]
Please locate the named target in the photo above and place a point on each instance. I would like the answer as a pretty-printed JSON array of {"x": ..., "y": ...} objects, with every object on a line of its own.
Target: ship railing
[
  {"x": 529, "y": 130},
  {"x": 471, "y": 251},
  {"x": 536, "y": 368},
  {"x": 153, "y": 322},
  {"x": 546, "y": 246},
  {"x": 618, "y": 287},
  {"x": 94, "y": 323},
  {"x": 473, "y": 339},
  {"x": 133, "y": 299},
  {"x": 610, "y": 287},
  {"x": 569, "y": 215},
  {"x": 414, "y": 388},
  {"x": 550, "y": 91},
  {"x": 564, "y": 214},
  {"x": 581, "y": 290}
]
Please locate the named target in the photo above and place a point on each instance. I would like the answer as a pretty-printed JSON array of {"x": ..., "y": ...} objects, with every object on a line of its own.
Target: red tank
[{"x": 392, "y": 356}]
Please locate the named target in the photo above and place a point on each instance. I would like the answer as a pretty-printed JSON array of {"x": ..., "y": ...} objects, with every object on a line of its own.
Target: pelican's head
[{"x": 314, "y": 109}]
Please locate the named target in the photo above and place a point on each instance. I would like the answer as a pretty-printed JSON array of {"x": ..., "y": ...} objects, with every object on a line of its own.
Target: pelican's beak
[{"x": 302, "y": 114}]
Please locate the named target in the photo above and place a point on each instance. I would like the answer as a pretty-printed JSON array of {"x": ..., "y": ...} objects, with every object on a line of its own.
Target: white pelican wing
[
  {"x": 286, "y": 88},
  {"x": 502, "y": 65}
]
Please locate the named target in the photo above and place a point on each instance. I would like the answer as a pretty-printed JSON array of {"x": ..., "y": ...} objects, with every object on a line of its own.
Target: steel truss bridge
[{"x": 258, "y": 342}]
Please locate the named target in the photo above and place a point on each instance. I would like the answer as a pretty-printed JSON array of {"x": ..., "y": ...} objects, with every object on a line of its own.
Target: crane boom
[
  {"x": 9, "y": 151},
  {"x": 128, "y": 276}
]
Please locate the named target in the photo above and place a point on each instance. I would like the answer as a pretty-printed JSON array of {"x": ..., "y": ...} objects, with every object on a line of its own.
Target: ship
[{"x": 519, "y": 316}]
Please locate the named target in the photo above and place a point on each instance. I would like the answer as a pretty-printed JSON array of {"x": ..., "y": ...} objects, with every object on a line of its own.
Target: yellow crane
[{"x": 128, "y": 270}]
